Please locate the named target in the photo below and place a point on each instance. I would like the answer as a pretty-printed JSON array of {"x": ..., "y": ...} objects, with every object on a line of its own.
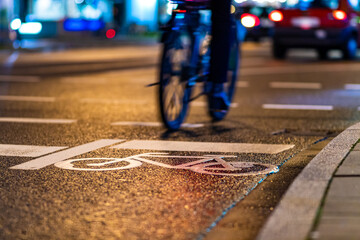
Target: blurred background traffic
[{"x": 291, "y": 23}]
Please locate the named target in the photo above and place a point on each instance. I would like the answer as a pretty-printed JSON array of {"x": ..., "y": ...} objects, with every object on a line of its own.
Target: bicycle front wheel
[{"x": 174, "y": 90}]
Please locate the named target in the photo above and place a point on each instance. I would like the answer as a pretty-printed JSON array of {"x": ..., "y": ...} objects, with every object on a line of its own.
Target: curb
[{"x": 293, "y": 218}]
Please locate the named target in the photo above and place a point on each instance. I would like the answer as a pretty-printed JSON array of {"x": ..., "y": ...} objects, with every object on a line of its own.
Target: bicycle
[
  {"x": 207, "y": 164},
  {"x": 185, "y": 62}
]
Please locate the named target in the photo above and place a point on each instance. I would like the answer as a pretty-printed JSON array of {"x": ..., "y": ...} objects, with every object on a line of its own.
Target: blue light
[
  {"x": 180, "y": 16},
  {"x": 95, "y": 25},
  {"x": 75, "y": 25}
]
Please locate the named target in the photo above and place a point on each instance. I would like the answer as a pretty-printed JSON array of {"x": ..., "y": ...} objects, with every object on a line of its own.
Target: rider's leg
[{"x": 220, "y": 52}]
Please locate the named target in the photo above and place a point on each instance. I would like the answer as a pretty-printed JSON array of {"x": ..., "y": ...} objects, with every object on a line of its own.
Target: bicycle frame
[{"x": 188, "y": 33}]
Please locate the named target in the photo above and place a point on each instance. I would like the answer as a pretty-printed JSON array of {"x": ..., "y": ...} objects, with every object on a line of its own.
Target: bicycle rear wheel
[
  {"x": 174, "y": 90},
  {"x": 232, "y": 74}
]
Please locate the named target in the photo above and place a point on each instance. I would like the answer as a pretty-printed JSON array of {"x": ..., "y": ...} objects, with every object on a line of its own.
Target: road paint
[
  {"x": 296, "y": 85},
  {"x": 242, "y": 84},
  {"x": 22, "y": 79},
  {"x": 298, "y": 107},
  {"x": 37, "y": 120},
  {"x": 26, "y": 150},
  {"x": 207, "y": 164},
  {"x": 352, "y": 86},
  {"x": 42, "y": 162},
  {"x": 205, "y": 104},
  {"x": 12, "y": 58},
  {"x": 204, "y": 146},
  {"x": 155, "y": 124},
  {"x": 301, "y": 69},
  {"x": 112, "y": 101},
  {"x": 26, "y": 98}
]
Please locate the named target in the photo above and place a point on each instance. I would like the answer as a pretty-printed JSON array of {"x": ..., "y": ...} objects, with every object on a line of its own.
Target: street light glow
[
  {"x": 15, "y": 24},
  {"x": 30, "y": 28}
]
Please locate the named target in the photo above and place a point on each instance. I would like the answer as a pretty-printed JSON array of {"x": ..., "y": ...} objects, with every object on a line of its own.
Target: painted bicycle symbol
[{"x": 206, "y": 164}]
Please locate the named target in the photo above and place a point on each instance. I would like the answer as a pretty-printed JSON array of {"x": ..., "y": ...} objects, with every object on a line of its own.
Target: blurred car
[
  {"x": 256, "y": 21},
  {"x": 318, "y": 24}
]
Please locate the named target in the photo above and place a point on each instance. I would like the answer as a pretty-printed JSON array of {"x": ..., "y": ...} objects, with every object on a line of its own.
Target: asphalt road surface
[{"x": 60, "y": 111}]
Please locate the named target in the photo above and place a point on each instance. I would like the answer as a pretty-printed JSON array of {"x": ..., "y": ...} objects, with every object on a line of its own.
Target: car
[
  {"x": 319, "y": 24},
  {"x": 256, "y": 21}
]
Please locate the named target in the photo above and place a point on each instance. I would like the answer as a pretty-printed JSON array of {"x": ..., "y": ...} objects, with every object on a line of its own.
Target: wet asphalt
[{"x": 101, "y": 86}]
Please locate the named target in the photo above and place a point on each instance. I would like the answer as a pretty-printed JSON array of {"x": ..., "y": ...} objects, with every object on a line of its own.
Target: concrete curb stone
[{"x": 294, "y": 216}]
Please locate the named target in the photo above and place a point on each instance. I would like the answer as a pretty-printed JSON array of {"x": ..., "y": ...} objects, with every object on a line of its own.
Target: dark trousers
[{"x": 220, "y": 44}]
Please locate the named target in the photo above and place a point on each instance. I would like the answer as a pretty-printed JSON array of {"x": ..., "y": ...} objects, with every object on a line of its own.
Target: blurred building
[
  {"x": 66, "y": 17},
  {"x": 86, "y": 17}
]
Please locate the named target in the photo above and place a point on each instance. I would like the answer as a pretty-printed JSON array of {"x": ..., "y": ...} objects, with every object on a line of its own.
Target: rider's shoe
[{"x": 219, "y": 101}]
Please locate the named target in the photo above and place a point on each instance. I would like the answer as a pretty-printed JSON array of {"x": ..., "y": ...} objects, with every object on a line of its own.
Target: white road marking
[
  {"x": 37, "y": 120},
  {"x": 26, "y": 150},
  {"x": 301, "y": 69},
  {"x": 112, "y": 101},
  {"x": 297, "y": 85},
  {"x": 205, "y": 104},
  {"x": 204, "y": 146},
  {"x": 24, "y": 79},
  {"x": 12, "y": 58},
  {"x": 298, "y": 107},
  {"x": 242, "y": 84},
  {"x": 26, "y": 98},
  {"x": 65, "y": 154},
  {"x": 352, "y": 86},
  {"x": 155, "y": 124},
  {"x": 207, "y": 164}
]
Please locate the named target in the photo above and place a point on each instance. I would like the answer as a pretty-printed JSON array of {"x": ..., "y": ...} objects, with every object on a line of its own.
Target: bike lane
[{"x": 172, "y": 189}]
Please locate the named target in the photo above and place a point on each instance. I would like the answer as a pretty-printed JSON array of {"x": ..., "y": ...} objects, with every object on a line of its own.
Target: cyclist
[{"x": 220, "y": 52}]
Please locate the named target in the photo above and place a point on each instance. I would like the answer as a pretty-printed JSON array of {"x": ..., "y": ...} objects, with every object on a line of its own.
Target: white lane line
[
  {"x": 24, "y": 79},
  {"x": 26, "y": 98},
  {"x": 352, "y": 86},
  {"x": 298, "y": 107},
  {"x": 37, "y": 120},
  {"x": 301, "y": 69},
  {"x": 297, "y": 85},
  {"x": 26, "y": 150},
  {"x": 155, "y": 124},
  {"x": 12, "y": 58},
  {"x": 205, "y": 104},
  {"x": 65, "y": 154},
  {"x": 204, "y": 146},
  {"x": 112, "y": 101},
  {"x": 242, "y": 84}
]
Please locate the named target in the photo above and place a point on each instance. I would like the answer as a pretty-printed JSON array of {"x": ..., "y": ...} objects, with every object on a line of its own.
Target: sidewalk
[
  {"x": 323, "y": 202},
  {"x": 340, "y": 216}
]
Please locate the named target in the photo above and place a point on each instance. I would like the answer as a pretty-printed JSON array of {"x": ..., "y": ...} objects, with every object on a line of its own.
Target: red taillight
[
  {"x": 110, "y": 33},
  {"x": 249, "y": 20},
  {"x": 339, "y": 15},
  {"x": 276, "y": 16},
  {"x": 179, "y": 11}
]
